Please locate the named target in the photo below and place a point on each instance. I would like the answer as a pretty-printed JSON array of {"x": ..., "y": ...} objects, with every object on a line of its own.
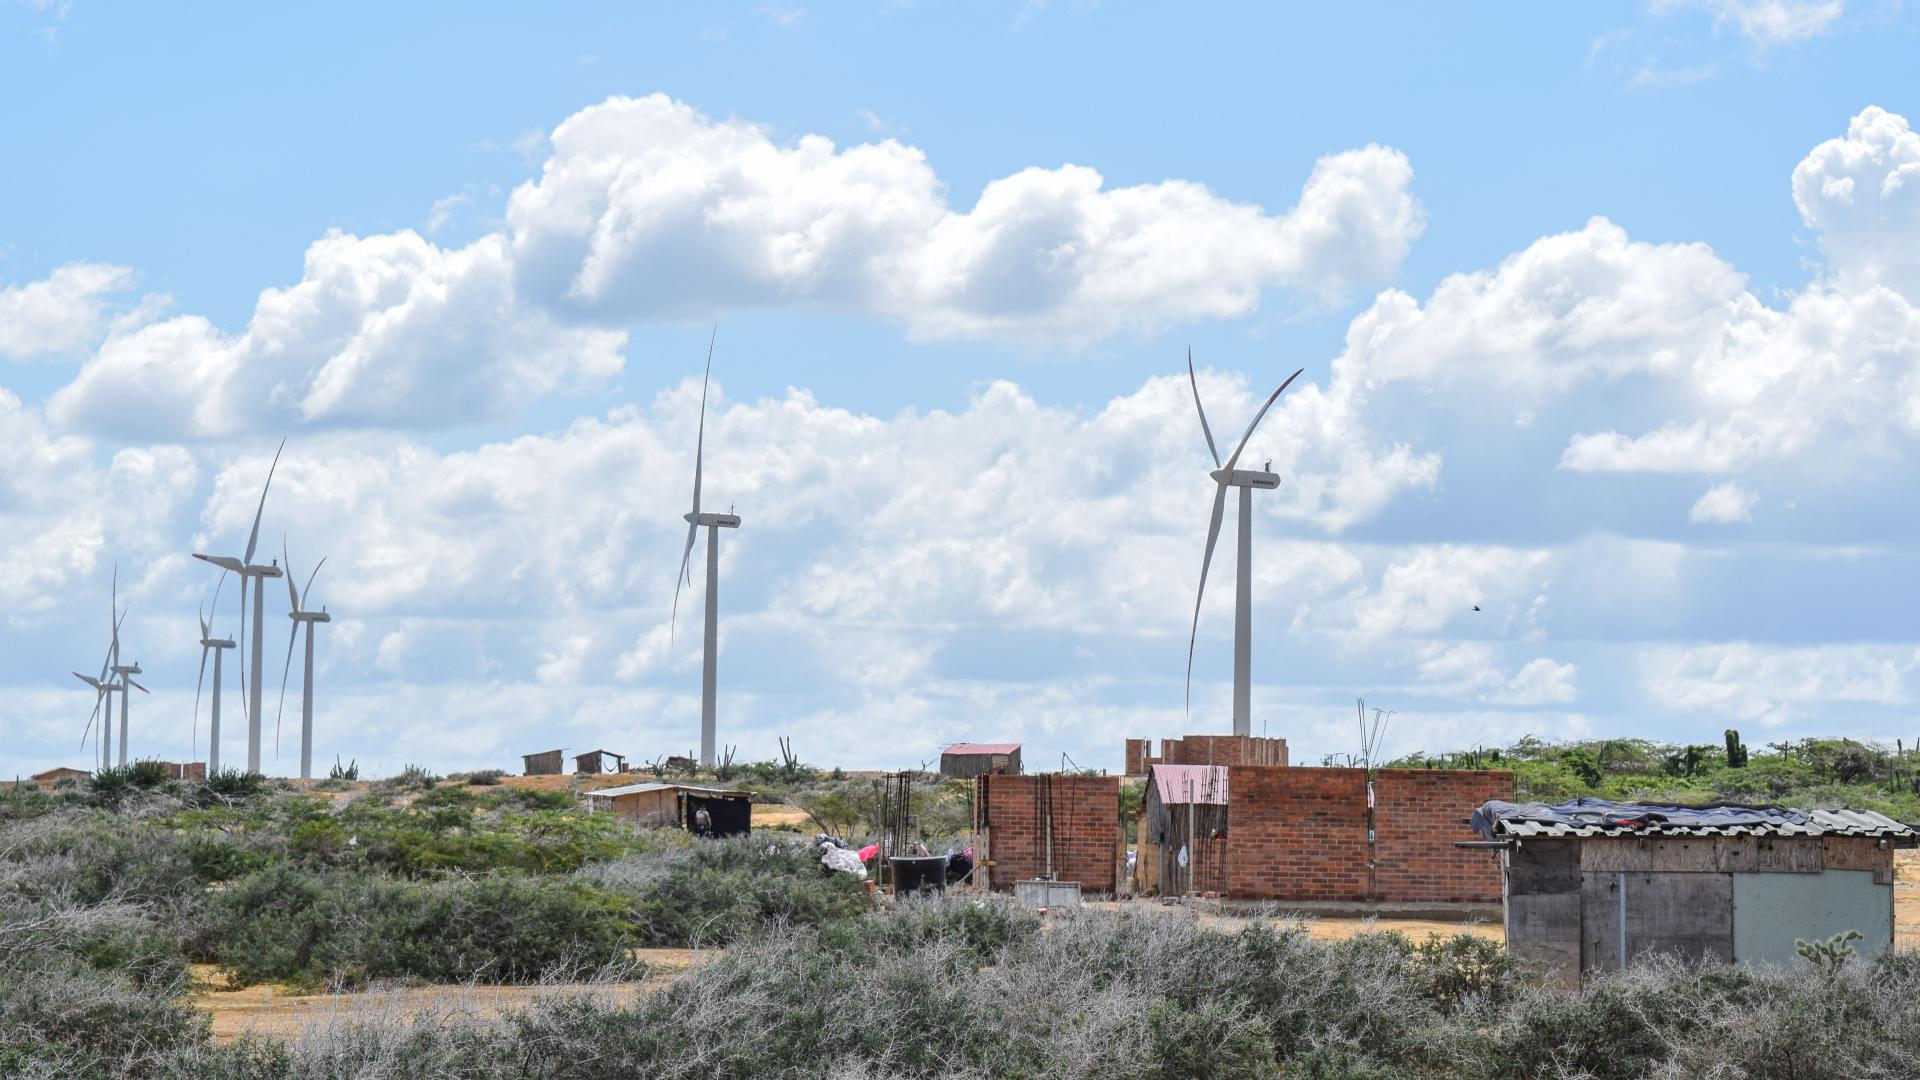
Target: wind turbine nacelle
[
  {"x": 725, "y": 521},
  {"x": 1252, "y": 478},
  {"x": 309, "y": 616}
]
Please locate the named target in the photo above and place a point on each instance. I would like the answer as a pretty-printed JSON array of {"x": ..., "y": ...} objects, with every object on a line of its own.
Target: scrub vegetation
[
  {"x": 1807, "y": 773},
  {"x": 110, "y": 890}
]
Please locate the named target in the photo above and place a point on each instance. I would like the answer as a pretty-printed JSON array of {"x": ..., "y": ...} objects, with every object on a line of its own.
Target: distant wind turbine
[
  {"x": 126, "y": 672},
  {"x": 1226, "y": 476},
  {"x": 244, "y": 567},
  {"x": 102, "y": 698},
  {"x": 301, "y": 617},
  {"x": 217, "y": 646},
  {"x": 714, "y": 523}
]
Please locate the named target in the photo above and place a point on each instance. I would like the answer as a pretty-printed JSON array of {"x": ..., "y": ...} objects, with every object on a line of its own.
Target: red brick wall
[
  {"x": 1223, "y": 750},
  {"x": 1008, "y": 814},
  {"x": 1296, "y": 834},
  {"x": 1137, "y": 752},
  {"x": 1418, "y": 814}
]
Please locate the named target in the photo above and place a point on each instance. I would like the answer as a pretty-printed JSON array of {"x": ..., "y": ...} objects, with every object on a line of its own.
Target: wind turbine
[
  {"x": 300, "y": 616},
  {"x": 244, "y": 567},
  {"x": 714, "y": 523},
  {"x": 209, "y": 643},
  {"x": 1225, "y": 476},
  {"x": 102, "y": 697},
  {"x": 125, "y": 671}
]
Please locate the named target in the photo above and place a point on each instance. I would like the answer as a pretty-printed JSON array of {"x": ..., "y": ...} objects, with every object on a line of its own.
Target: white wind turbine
[
  {"x": 714, "y": 523},
  {"x": 1226, "y": 476},
  {"x": 103, "y": 690},
  {"x": 301, "y": 617},
  {"x": 126, "y": 672},
  {"x": 244, "y": 567},
  {"x": 209, "y": 643}
]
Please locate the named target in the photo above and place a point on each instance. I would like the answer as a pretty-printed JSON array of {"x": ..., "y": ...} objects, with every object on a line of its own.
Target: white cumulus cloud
[
  {"x": 648, "y": 208},
  {"x": 381, "y": 331},
  {"x": 63, "y": 313},
  {"x": 1723, "y": 504}
]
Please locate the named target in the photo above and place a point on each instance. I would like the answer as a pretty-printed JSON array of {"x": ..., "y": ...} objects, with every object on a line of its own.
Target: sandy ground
[{"x": 271, "y": 1010}]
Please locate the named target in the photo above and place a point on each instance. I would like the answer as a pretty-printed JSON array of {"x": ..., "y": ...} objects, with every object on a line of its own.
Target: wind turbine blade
[
  {"x": 1275, "y": 396},
  {"x": 216, "y": 593},
  {"x": 700, "y": 439},
  {"x": 291, "y": 638},
  {"x": 253, "y": 538},
  {"x": 136, "y": 685},
  {"x": 1213, "y": 534},
  {"x": 95, "y": 715},
  {"x": 686, "y": 559},
  {"x": 293, "y": 598},
  {"x": 306, "y": 591},
  {"x": 1204, "y": 429},
  {"x": 205, "y": 630},
  {"x": 198, "y": 683},
  {"x": 113, "y": 613}
]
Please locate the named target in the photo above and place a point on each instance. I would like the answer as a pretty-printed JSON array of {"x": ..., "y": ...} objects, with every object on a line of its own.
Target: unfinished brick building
[
  {"x": 1314, "y": 835},
  {"x": 1068, "y": 828},
  {"x": 1205, "y": 750}
]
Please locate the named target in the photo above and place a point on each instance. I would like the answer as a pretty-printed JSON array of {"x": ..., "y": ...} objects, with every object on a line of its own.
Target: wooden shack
[
  {"x": 1591, "y": 885},
  {"x": 595, "y": 762},
  {"x": 54, "y": 776},
  {"x": 968, "y": 760},
  {"x": 728, "y": 812},
  {"x": 1183, "y": 831},
  {"x": 544, "y": 763}
]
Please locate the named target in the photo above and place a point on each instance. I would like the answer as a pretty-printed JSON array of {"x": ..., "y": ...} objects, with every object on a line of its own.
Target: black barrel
[{"x": 914, "y": 873}]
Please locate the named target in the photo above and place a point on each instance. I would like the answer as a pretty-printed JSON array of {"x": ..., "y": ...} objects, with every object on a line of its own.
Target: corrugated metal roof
[
  {"x": 982, "y": 748},
  {"x": 1599, "y": 817},
  {"x": 1190, "y": 783},
  {"x": 654, "y": 785}
]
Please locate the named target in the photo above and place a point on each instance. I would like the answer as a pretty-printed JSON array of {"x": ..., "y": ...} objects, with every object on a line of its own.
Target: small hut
[
  {"x": 1183, "y": 830},
  {"x": 54, "y": 776},
  {"x": 1592, "y": 885},
  {"x": 968, "y": 760},
  {"x": 595, "y": 762},
  {"x": 544, "y": 763},
  {"x": 726, "y": 812}
]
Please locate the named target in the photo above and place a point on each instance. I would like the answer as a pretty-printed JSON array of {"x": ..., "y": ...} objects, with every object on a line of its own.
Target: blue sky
[{"x": 1608, "y": 319}]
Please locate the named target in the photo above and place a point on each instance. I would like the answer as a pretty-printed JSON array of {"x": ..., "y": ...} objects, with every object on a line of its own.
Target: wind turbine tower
[
  {"x": 217, "y": 646},
  {"x": 1225, "y": 475},
  {"x": 713, "y": 523},
  {"x": 301, "y": 617},
  {"x": 244, "y": 567}
]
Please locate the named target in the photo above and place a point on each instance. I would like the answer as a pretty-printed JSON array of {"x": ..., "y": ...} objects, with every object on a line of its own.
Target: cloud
[
  {"x": 63, "y": 518},
  {"x": 63, "y": 313},
  {"x": 1766, "y": 23},
  {"x": 1725, "y": 504},
  {"x": 444, "y": 211},
  {"x": 1541, "y": 682},
  {"x": 649, "y": 209},
  {"x": 1773, "y": 685},
  {"x": 1861, "y": 193},
  {"x": 1692, "y": 371},
  {"x": 381, "y": 331}
]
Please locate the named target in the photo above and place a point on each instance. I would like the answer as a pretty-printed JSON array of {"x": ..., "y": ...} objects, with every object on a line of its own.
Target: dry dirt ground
[{"x": 271, "y": 1010}]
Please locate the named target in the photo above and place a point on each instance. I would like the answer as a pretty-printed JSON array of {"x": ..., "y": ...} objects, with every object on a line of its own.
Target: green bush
[
  {"x": 720, "y": 891},
  {"x": 312, "y": 929}
]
